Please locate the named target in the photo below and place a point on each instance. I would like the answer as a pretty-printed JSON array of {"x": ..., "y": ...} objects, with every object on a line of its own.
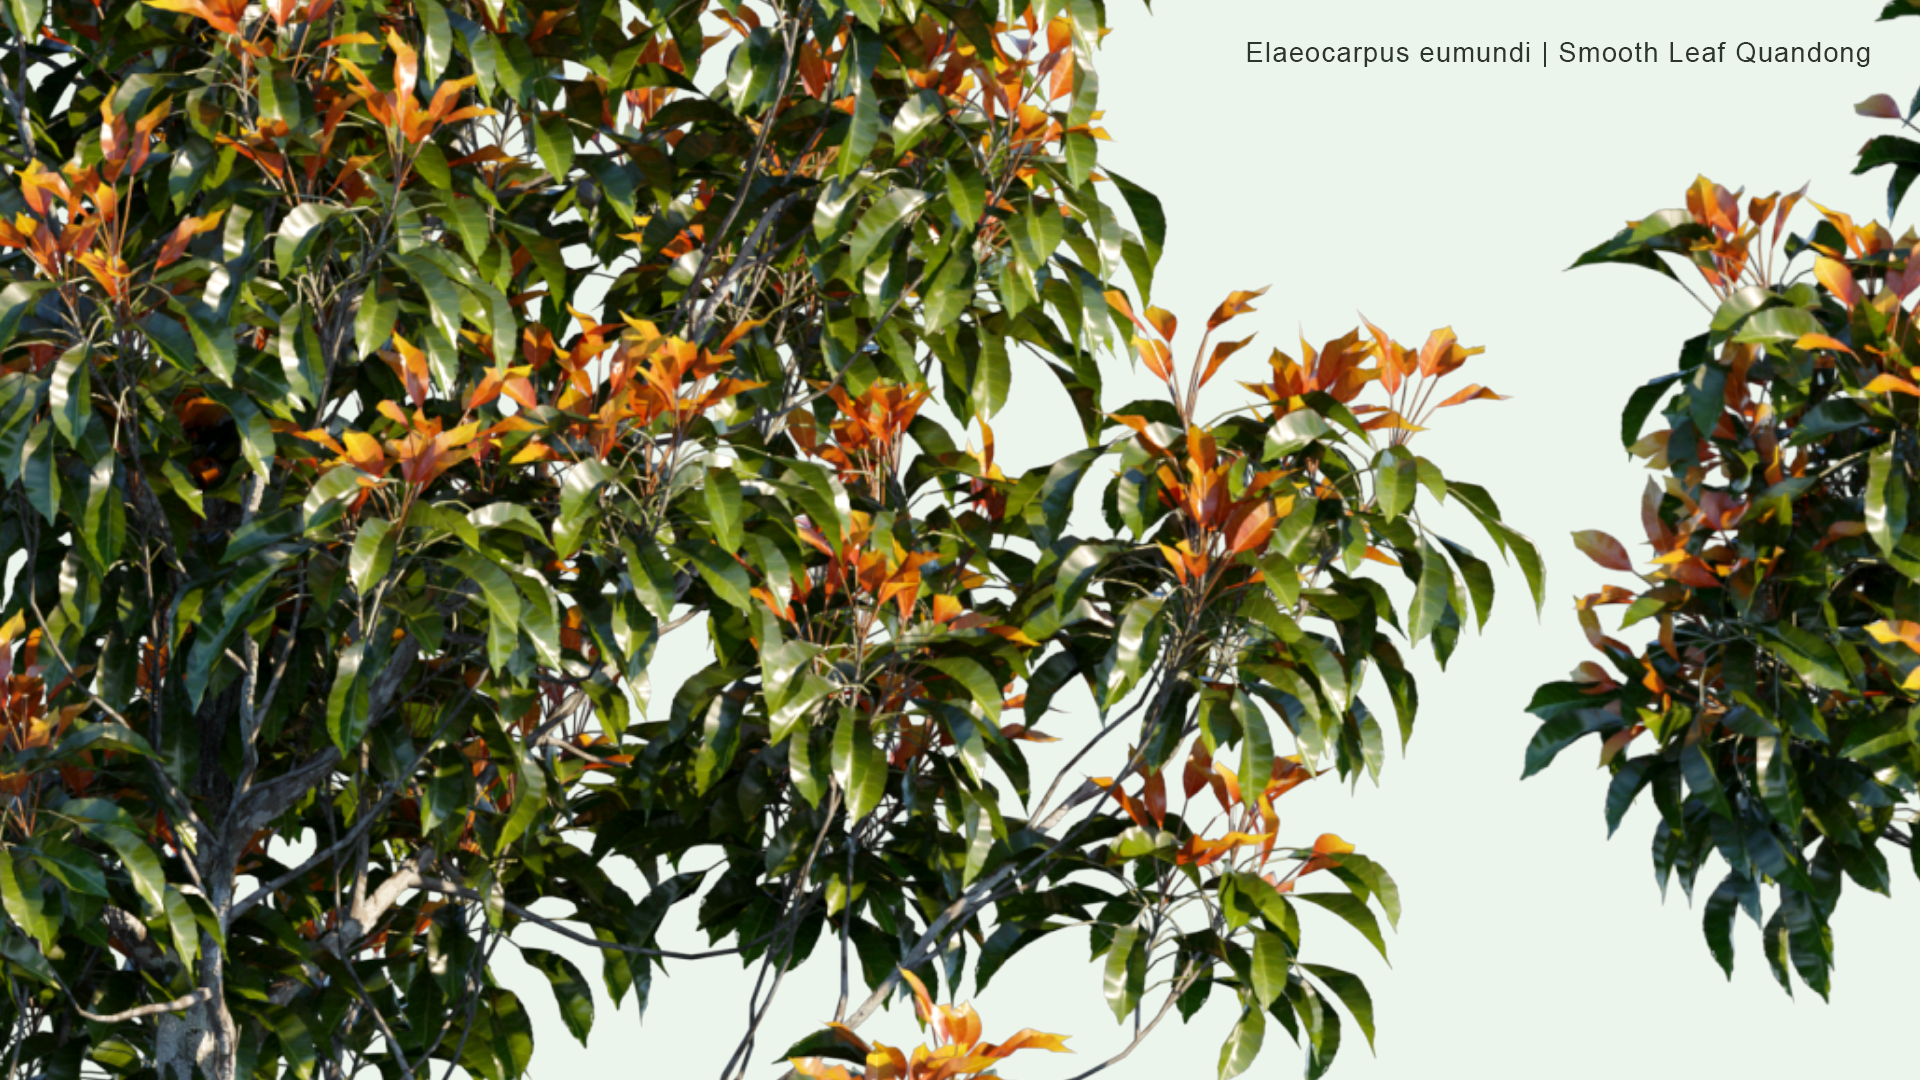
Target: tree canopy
[
  {"x": 1780, "y": 697},
  {"x": 383, "y": 380}
]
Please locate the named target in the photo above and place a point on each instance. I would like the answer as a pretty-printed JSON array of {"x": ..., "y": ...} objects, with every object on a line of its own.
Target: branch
[
  {"x": 1173, "y": 995},
  {"x": 449, "y": 888},
  {"x": 179, "y": 1004},
  {"x": 264, "y": 803},
  {"x": 132, "y": 936}
]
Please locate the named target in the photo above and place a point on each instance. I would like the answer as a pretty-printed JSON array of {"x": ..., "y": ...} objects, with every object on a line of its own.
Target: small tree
[
  {"x": 1782, "y": 690},
  {"x": 384, "y": 380}
]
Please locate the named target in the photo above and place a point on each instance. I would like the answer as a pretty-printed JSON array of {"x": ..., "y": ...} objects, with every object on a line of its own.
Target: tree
[
  {"x": 1782, "y": 689},
  {"x": 382, "y": 381}
]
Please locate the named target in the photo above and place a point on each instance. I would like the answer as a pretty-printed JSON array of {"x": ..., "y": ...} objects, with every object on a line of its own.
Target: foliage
[
  {"x": 1782, "y": 692},
  {"x": 382, "y": 382}
]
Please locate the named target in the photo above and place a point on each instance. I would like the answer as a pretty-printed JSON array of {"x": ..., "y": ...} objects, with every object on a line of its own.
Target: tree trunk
[{"x": 202, "y": 1038}]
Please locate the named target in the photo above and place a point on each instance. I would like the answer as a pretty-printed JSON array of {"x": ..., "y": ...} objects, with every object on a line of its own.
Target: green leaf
[
  {"x": 346, "y": 702},
  {"x": 1130, "y": 651},
  {"x": 979, "y": 838},
  {"x": 529, "y": 800},
  {"x": 1625, "y": 787},
  {"x": 1431, "y": 595},
  {"x": 553, "y": 140},
  {"x": 29, "y": 908},
  {"x": 438, "y": 46},
  {"x": 1563, "y": 731},
  {"x": 834, "y": 206},
  {"x": 824, "y": 500},
  {"x": 372, "y": 553},
  {"x": 21, "y": 951},
  {"x": 503, "y": 604},
  {"x": 136, "y": 858},
  {"x": 1296, "y": 431},
  {"x": 722, "y": 496},
  {"x": 967, "y": 191},
  {"x": 864, "y": 133},
  {"x": 185, "y": 928},
  {"x": 297, "y": 234},
  {"x": 1256, "y": 751},
  {"x": 1126, "y": 970},
  {"x": 72, "y": 867},
  {"x": 1779, "y": 781},
  {"x": 70, "y": 393},
  {"x": 373, "y": 322},
  {"x": 804, "y": 769},
  {"x": 1395, "y": 477},
  {"x": 1886, "y": 500},
  {"x": 992, "y": 376},
  {"x": 16, "y": 300},
  {"x": 859, "y": 765},
  {"x": 1478, "y": 577},
  {"x": 879, "y": 224},
  {"x": 570, "y": 989},
  {"x": 1641, "y": 405},
  {"x": 1354, "y": 911},
  {"x": 1243, "y": 1043},
  {"x": 1720, "y": 909},
  {"x": 1351, "y": 992},
  {"x": 1272, "y": 961},
  {"x": 26, "y": 16},
  {"x": 1808, "y": 654},
  {"x": 724, "y": 575},
  {"x": 976, "y": 680},
  {"x": 578, "y": 498},
  {"x": 39, "y": 472},
  {"x": 1323, "y": 1029}
]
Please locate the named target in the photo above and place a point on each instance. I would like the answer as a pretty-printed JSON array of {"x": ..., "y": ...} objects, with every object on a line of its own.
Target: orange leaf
[
  {"x": 1249, "y": 531},
  {"x": 1906, "y": 633},
  {"x": 1474, "y": 392},
  {"x": 183, "y": 234},
  {"x": 1220, "y": 354},
  {"x": 1235, "y": 304},
  {"x": 1163, "y": 322},
  {"x": 1158, "y": 359},
  {"x": 1118, "y": 299},
  {"x": 922, "y": 1001},
  {"x": 1821, "y": 341},
  {"x": 1838, "y": 279},
  {"x": 1891, "y": 384},
  {"x": 1381, "y": 557},
  {"x": 1330, "y": 844},
  {"x": 1028, "y": 1039},
  {"x": 1603, "y": 549}
]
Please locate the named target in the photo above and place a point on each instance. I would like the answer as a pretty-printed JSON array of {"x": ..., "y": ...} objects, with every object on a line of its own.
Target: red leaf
[
  {"x": 1155, "y": 796},
  {"x": 1199, "y": 771},
  {"x": 1603, "y": 549},
  {"x": 1696, "y": 573},
  {"x": 1880, "y": 105}
]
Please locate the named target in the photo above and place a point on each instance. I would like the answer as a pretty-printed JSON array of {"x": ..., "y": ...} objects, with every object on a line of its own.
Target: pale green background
[{"x": 1426, "y": 196}]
